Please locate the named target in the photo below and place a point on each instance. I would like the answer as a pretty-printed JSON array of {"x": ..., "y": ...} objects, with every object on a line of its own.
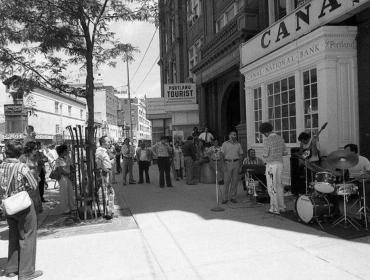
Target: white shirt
[
  {"x": 362, "y": 165},
  {"x": 206, "y": 136}
]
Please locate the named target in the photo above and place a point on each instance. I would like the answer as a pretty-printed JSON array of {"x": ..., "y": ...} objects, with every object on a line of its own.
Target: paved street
[{"x": 178, "y": 237}]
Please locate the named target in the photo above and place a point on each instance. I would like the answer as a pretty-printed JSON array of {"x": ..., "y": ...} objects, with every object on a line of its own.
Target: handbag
[
  {"x": 17, "y": 202},
  {"x": 55, "y": 174}
]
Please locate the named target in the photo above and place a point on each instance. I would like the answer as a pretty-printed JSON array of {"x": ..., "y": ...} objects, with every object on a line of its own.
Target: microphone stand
[{"x": 217, "y": 208}]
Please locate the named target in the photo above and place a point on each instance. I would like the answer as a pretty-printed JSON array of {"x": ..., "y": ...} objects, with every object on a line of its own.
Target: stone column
[{"x": 242, "y": 126}]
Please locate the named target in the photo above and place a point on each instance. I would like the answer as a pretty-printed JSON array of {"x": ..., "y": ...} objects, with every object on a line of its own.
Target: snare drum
[
  {"x": 324, "y": 182},
  {"x": 345, "y": 189},
  {"x": 311, "y": 207}
]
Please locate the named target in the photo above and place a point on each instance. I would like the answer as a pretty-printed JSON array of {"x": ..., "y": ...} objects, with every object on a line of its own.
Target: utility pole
[{"x": 129, "y": 97}]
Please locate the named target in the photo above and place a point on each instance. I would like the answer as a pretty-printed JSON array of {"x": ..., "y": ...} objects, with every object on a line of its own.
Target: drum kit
[{"x": 316, "y": 204}]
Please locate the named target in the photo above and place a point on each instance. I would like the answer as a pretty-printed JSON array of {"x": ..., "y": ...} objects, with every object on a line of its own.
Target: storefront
[{"x": 305, "y": 74}]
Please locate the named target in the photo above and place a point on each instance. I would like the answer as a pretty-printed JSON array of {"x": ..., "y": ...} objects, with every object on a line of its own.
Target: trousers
[
  {"x": 144, "y": 168},
  {"x": 127, "y": 164},
  {"x": 22, "y": 242},
  {"x": 164, "y": 167},
  {"x": 275, "y": 186},
  {"x": 231, "y": 179},
  {"x": 189, "y": 165}
]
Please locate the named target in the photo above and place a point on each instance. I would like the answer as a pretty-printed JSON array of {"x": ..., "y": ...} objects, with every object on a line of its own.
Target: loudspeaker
[{"x": 297, "y": 173}]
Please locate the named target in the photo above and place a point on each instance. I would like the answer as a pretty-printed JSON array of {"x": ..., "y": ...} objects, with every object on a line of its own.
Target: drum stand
[
  {"x": 306, "y": 174},
  {"x": 344, "y": 218},
  {"x": 364, "y": 210}
]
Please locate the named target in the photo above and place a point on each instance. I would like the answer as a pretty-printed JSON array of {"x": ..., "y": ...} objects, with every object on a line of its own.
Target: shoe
[
  {"x": 177, "y": 179},
  {"x": 132, "y": 182},
  {"x": 161, "y": 187},
  {"x": 273, "y": 212},
  {"x": 43, "y": 200},
  {"x": 224, "y": 201},
  {"x": 140, "y": 182},
  {"x": 233, "y": 200},
  {"x": 34, "y": 275},
  {"x": 221, "y": 182},
  {"x": 124, "y": 183},
  {"x": 171, "y": 186},
  {"x": 148, "y": 182},
  {"x": 191, "y": 183},
  {"x": 11, "y": 274}
]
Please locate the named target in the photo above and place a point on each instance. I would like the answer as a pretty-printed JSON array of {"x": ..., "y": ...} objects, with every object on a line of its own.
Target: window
[
  {"x": 56, "y": 107},
  {"x": 280, "y": 8},
  {"x": 228, "y": 15},
  {"x": 174, "y": 72},
  {"x": 257, "y": 95},
  {"x": 61, "y": 109},
  {"x": 310, "y": 99},
  {"x": 193, "y": 10},
  {"x": 194, "y": 55},
  {"x": 69, "y": 110},
  {"x": 57, "y": 128},
  {"x": 282, "y": 108},
  {"x": 298, "y": 3},
  {"x": 81, "y": 114}
]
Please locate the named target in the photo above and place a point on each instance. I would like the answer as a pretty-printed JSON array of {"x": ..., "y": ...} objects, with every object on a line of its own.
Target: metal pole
[{"x": 129, "y": 96}]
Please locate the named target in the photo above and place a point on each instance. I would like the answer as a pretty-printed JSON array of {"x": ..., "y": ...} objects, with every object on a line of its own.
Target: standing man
[
  {"x": 274, "y": 150},
  {"x": 118, "y": 156},
  {"x": 214, "y": 154},
  {"x": 163, "y": 152},
  {"x": 41, "y": 159},
  {"x": 104, "y": 163},
  {"x": 188, "y": 150},
  {"x": 232, "y": 153},
  {"x": 207, "y": 137},
  {"x": 128, "y": 153},
  {"x": 144, "y": 157}
]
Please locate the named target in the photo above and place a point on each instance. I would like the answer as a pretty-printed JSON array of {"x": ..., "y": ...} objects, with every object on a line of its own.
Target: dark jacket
[{"x": 188, "y": 149}]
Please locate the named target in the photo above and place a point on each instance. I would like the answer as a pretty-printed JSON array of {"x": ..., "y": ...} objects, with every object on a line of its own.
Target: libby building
[{"x": 309, "y": 67}]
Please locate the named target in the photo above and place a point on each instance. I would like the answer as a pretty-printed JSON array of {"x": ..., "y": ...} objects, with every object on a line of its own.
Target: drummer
[{"x": 361, "y": 168}]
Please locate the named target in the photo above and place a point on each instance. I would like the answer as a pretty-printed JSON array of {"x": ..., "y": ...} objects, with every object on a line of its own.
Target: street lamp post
[{"x": 129, "y": 96}]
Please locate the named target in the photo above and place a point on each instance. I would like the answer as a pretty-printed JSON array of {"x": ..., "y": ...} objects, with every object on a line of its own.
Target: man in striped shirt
[{"x": 274, "y": 150}]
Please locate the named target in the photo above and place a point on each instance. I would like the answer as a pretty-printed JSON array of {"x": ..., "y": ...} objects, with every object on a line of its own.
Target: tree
[{"x": 40, "y": 38}]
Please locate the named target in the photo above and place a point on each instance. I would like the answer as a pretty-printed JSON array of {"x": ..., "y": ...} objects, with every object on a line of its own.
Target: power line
[
  {"x": 147, "y": 74},
  {"x": 146, "y": 51}
]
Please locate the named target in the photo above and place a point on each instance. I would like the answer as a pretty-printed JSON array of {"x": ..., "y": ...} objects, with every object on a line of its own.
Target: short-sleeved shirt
[
  {"x": 362, "y": 165},
  {"x": 161, "y": 150},
  {"x": 128, "y": 152},
  {"x": 231, "y": 150},
  {"x": 103, "y": 160},
  {"x": 274, "y": 148}
]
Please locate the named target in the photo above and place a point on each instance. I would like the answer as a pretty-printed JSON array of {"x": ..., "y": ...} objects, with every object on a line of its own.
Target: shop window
[
  {"x": 310, "y": 99},
  {"x": 282, "y": 108},
  {"x": 257, "y": 96}
]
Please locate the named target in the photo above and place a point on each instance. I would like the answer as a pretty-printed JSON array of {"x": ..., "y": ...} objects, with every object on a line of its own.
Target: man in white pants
[{"x": 274, "y": 150}]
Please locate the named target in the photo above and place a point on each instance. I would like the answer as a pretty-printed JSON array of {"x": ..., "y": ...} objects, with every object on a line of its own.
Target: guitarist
[{"x": 309, "y": 148}]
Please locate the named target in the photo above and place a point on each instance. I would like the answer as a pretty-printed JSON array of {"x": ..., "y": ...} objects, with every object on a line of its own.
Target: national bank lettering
[{"x": 305, "y": 19}]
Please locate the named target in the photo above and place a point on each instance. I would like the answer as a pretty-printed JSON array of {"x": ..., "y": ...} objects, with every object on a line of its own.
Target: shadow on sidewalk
[{"x": 200, "y": 199}]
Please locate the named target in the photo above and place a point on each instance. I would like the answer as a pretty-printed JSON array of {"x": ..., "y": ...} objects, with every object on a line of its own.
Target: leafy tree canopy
[{"x": 39, "y": 39}]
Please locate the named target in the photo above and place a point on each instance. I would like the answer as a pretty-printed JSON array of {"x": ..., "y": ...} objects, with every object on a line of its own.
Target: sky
[{"x": 139, "y": 35}]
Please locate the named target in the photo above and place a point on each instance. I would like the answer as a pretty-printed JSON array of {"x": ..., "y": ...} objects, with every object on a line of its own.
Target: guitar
[{"x": 312, "y": 149}]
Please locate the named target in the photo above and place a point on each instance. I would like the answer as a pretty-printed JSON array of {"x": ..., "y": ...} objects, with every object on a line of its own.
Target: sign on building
[
  {"x": 302, "y": 21},
  {"x": 178, "y": 94}
]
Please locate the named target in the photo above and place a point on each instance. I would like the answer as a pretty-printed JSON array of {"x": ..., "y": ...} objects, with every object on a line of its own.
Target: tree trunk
[{"x": 90, "y": 137}]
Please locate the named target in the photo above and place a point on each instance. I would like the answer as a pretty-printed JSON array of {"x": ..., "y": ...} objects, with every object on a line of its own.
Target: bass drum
[{"x": 311, "y": 207}]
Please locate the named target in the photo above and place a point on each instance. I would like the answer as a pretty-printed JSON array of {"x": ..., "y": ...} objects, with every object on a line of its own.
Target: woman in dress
[
  {"x": 63, "y": 164},
  {"x": 178, "y": 161},
  {"x": 22, "y": 225}
]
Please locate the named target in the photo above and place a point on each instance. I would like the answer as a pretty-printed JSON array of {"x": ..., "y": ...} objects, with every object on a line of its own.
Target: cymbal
[
  {"x": 342, "y": 159},
  {"x": 364, "y": 176}
]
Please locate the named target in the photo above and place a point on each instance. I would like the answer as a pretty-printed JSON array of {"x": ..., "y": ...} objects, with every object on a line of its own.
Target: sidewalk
[{"x": 177, "y": 237}]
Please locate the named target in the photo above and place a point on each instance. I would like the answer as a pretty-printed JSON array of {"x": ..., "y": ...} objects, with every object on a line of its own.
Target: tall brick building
[{"x": 200, "y": 43}]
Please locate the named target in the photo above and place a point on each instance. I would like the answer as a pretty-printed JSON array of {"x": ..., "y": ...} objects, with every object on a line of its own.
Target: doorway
[{"x": 230, "y": 108}]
